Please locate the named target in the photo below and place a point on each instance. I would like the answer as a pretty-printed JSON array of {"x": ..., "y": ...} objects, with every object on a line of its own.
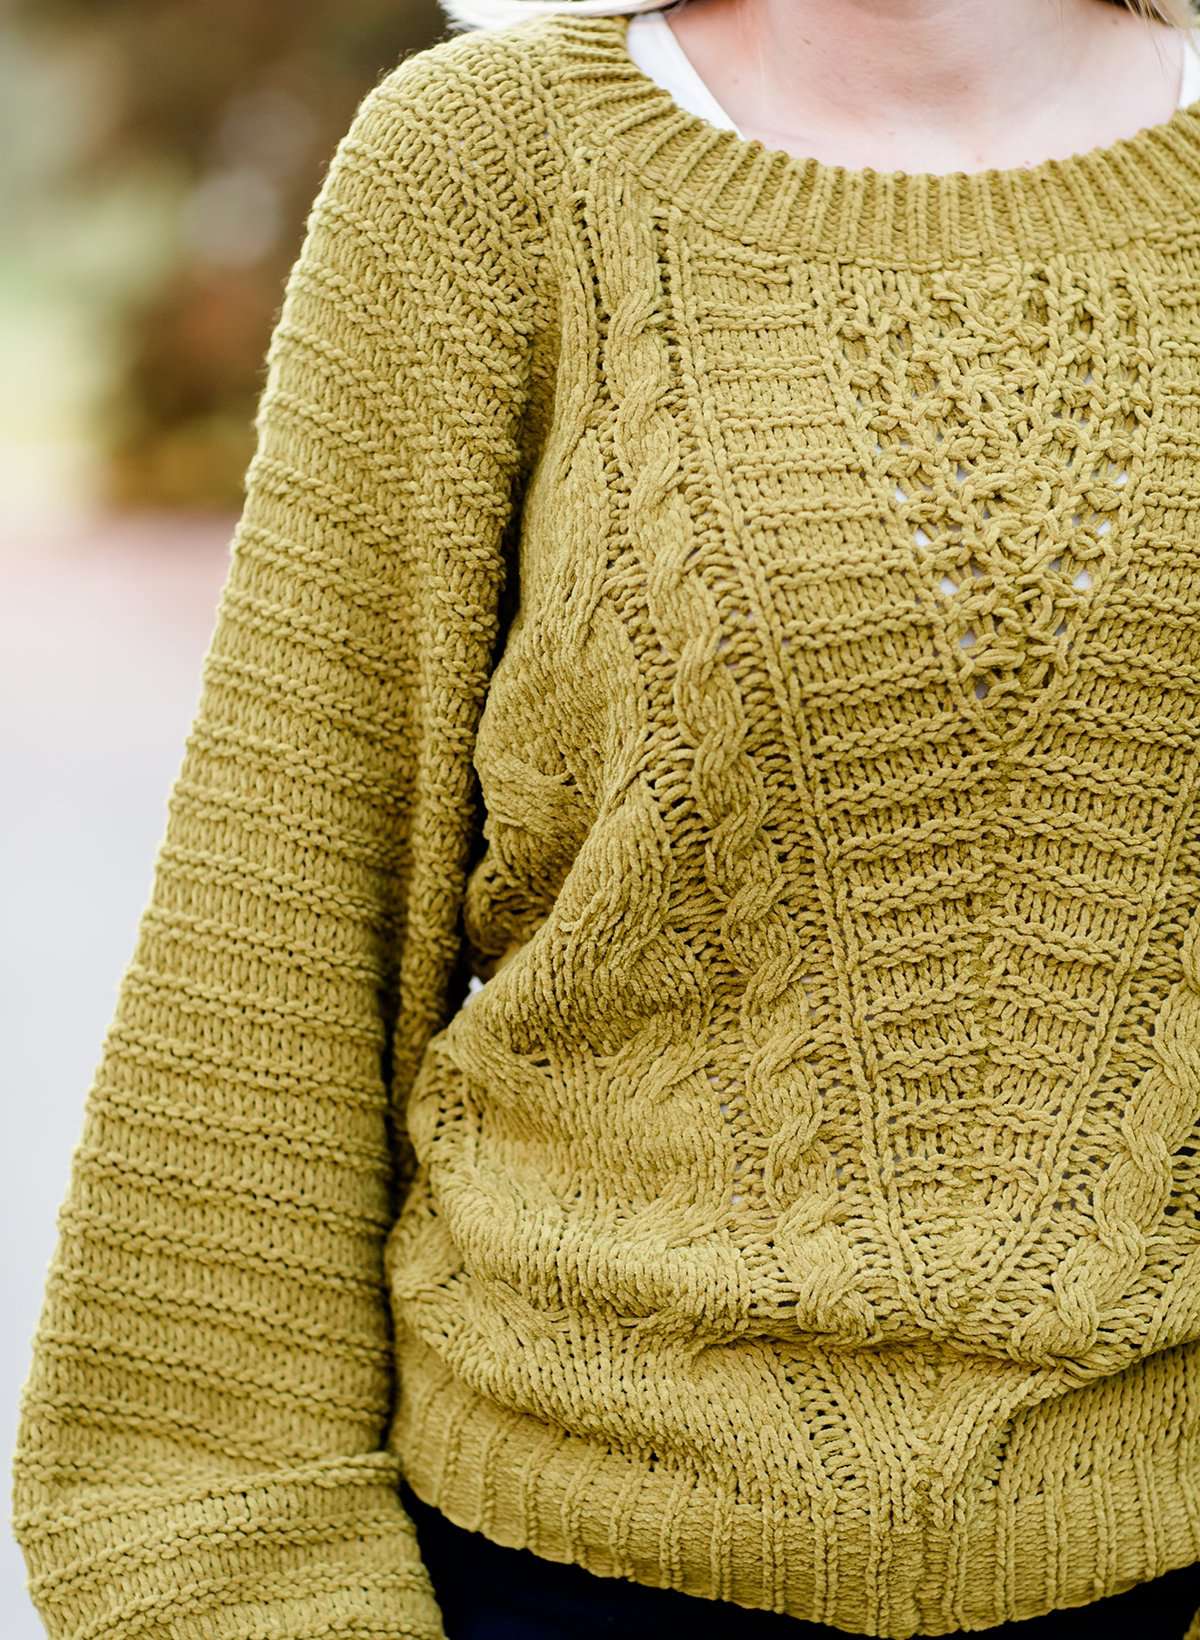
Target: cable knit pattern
[{"x": 669, "y": 1007}]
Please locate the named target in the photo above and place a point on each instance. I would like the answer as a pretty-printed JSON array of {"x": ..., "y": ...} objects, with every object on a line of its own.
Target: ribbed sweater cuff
[{"x": 322, "y": 1551}]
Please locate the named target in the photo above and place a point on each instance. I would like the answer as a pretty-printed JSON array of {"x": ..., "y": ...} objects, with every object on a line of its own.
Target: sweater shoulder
[{"x": 474, "y": 105}]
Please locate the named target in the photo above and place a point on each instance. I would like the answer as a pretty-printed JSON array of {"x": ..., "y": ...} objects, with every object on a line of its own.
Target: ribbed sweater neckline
[{"x": 1095, "y": 198}]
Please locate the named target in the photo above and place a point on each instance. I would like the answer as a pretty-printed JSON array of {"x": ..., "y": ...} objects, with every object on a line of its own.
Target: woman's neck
[{"x": 932, "y": 85}]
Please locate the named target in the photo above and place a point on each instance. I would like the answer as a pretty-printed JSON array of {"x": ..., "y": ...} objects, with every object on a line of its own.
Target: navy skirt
[{"x": 490, "y": 1592}]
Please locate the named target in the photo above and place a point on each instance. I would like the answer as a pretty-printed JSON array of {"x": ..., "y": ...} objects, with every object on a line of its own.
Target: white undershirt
[{"x": 655, "y": 48}]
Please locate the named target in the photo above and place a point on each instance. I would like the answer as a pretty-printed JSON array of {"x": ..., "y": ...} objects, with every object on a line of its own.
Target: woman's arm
[{"x": 202, "y": 1444}]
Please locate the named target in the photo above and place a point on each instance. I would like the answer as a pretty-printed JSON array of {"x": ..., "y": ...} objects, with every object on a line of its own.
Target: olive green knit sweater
[{"x": 747, "y": 612}]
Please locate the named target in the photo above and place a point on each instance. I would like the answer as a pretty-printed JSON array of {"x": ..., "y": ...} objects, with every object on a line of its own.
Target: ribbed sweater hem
[{"x": 1069, "y": 1539}]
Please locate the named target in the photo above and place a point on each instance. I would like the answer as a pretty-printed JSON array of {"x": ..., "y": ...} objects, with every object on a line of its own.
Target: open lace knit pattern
[{"x": 669, "y": 1008}]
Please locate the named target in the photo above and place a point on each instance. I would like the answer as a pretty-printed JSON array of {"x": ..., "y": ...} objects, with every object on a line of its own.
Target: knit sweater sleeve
[{"x": 202, "y": 1447}]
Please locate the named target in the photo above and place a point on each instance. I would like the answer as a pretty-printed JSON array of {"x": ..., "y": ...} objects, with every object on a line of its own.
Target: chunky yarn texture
[{"x": 669, "y": 1007}]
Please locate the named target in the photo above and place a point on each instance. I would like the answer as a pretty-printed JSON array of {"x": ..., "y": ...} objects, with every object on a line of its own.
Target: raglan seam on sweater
[{"x": 522, "y": 211}]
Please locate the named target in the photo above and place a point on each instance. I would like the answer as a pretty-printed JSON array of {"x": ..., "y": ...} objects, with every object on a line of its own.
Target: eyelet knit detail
[{"x": 1023, "y": 507}]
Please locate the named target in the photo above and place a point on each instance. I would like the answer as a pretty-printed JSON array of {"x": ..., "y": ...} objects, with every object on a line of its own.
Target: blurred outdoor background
[{"x": 157, "y": 160}]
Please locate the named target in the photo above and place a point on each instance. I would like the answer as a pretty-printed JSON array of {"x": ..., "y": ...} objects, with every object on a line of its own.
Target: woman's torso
[
  {"x": 801, "y": 1172},
  {"x": 490, "y": 1590}
]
